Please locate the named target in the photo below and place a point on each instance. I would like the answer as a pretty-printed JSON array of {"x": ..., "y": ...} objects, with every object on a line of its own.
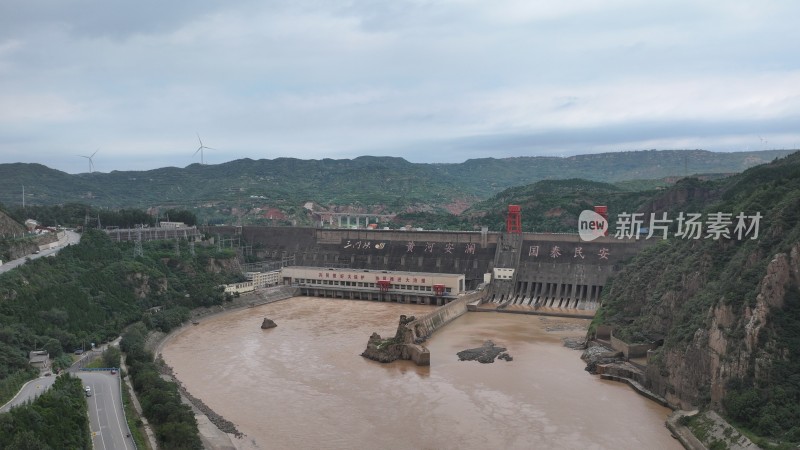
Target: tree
[
  {"x": 111, "y": 357},
  {"x": 53, "y": 347},
  {"x": 27, "y": 440}
]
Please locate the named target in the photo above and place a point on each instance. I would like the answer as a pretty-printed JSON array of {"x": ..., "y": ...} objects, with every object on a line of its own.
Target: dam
[{"x": 520, "y": 271}]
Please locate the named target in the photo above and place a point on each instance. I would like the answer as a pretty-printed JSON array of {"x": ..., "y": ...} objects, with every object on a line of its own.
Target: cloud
[{"x": 429, "y": 81}]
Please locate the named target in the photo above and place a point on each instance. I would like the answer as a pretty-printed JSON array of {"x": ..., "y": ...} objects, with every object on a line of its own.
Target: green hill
[
  {"x": 547, "y": 206},
  {"x": 727, "y": 310},
  {"x": 366, "y": 184}
]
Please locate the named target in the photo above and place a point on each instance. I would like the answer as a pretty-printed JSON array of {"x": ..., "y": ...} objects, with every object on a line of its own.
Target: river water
[{"x": 303, "y": 384}]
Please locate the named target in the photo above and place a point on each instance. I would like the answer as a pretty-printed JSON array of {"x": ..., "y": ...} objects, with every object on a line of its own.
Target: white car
[{"x": 88, "y": 391}]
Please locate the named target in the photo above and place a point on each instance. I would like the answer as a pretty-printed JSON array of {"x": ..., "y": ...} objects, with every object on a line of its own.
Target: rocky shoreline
[
  {"x": 224, "y": 425},
  {"x": 612, "y": 365},
  {"x": 156, "y": 340},
  {"x": 596, "y": 354}
]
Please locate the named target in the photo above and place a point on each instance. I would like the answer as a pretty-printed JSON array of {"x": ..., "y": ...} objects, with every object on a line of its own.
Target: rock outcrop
[
  {"x": 382, "y": 350},
  {"x": 401, "y": 346},
  {"x": 599, "y": 354},
  {"x": 484, "y": 354},
  {"x": 268, "y": 323}
]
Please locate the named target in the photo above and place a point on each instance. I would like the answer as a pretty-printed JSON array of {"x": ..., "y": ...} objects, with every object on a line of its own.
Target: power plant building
[{"x": 382, "y": 285}]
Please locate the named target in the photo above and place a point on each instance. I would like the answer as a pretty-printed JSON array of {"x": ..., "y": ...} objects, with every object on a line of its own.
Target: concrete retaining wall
[
  {"x": 630, "y": 350},
  {"x": 683, "y": 434},
  {"x": 638, "y": 388},
  {"x": 273, "y": 294},
  {"x": 417, "y": 353},
  {"x": 425, "y": 326},
  {"x": 603, "y": 332}
]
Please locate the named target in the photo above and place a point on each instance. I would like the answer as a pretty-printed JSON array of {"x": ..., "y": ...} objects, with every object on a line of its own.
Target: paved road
[
  {"x": 29, "y": 391},
  {"x": 35, "y": 387},
  {"x": 106, "y": 415},
  {"x": 72, "y": 238}
]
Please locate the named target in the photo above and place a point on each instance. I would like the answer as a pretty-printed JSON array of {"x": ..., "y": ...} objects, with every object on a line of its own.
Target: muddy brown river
[{"x": 303, "y": 384}]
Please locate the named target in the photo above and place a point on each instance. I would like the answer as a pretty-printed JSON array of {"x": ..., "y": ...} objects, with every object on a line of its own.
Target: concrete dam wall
[
  {"x": 550, "y": 270},
  {"x": 423, "y": 327}
]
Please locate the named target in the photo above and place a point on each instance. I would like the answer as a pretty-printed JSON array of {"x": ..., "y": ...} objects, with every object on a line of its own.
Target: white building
[
  {"x": 171, "y": 225},
  {"x": 255, "y": 280},
  {"x": 441, "y": 284}
]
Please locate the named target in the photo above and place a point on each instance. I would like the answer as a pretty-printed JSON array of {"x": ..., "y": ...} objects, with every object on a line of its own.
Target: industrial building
[{"x": 381, "y": 285}]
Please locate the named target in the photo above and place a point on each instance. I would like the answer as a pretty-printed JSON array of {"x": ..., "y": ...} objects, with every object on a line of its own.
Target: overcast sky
[{"x": 429, "y": 81}]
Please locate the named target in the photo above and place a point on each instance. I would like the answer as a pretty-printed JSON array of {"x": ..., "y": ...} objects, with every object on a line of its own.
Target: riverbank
[
  {"x": 216, "y": 432},
  {"x": 303, "y": 384},
  {"x": 693, "y": 429},
  {"x": 156, "y": 340}
]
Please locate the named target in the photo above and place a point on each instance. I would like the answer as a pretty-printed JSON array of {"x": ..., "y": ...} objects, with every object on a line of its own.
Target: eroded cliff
[{"x": 727, "y": 310}]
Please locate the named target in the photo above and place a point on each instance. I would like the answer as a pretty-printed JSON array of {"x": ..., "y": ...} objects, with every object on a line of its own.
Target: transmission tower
[
  {"x": 191, "y": 247},
  {"x": 228, "y": 242},
  {"x": 137, "y": 247},
  {"x": 177, "y": 247}
]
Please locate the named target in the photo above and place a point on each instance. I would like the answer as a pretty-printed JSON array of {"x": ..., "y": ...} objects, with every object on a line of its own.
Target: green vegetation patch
[
  {"x": 56, "y": 419},
  {"x": 670, "y": 291},
  {"x": 173, "y": 421}
]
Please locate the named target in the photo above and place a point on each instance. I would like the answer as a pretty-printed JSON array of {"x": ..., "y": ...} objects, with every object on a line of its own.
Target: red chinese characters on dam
[{"x": 359, "y": 277}]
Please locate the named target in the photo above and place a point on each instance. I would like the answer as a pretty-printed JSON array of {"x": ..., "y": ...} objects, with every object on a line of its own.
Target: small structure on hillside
[{"x": 39, "y": 359}]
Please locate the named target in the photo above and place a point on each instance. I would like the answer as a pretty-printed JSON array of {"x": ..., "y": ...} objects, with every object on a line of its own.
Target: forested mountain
[
  {"x": 89, "y": 293},
  {"x": 727, "y": 309},
  {"x": 553, "y": 206},
  {"x": 367, "y": 184}
]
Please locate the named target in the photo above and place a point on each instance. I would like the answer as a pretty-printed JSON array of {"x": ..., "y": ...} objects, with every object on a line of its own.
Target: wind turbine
[
  {"x": 763, "y": 141},
  {"x": 91, "y": 162},
  {"x": 200, "y": 149}
]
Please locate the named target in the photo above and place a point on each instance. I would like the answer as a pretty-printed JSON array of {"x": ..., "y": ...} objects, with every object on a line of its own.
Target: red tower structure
[
  {"x": 514, "y": 220},
  {"x": 603, "y": 211}
]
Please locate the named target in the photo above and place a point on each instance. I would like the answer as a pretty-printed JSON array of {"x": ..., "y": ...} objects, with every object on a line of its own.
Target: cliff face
[
  {"x": 9, "y": 227},
  {"x": 146, "y": 284},
  {"x": 687, "y": 195},
  {"x": 727, "y": 310},
  {"x": 730, "y": 346},
  {"x": 11, "y": 248}
]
